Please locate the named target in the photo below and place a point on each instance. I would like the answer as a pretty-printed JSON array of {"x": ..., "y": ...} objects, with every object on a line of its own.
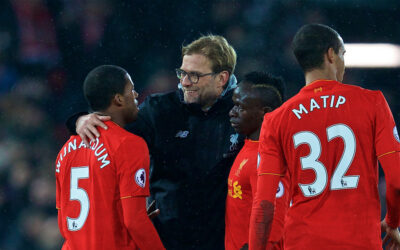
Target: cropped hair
[
  {"x": 215, "y": 48},
  {"x": 311, "y": 42},
  {"x": 269, "y": 88},
  {"x": 102, "y": 84}
]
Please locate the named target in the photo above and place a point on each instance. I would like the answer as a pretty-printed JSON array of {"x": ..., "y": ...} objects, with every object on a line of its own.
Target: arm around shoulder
[{"x": 71, "y": 122}]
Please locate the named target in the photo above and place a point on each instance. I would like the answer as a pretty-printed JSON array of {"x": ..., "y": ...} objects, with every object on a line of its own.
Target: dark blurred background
[{"x": 48, "y": 47}]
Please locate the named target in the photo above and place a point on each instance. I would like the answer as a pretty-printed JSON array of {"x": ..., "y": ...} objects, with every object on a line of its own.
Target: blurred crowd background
[{"x": 48, "y": 47}]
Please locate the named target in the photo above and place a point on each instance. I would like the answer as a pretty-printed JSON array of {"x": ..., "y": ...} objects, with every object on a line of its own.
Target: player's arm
[
  {"x": 263, "y": 211},
  {"x": 86, "y": 126},
  {"x": 387, "y": 146},
  {"x": 139, "y": 225},
  {"x": 133, "y": 161},
  {"x": 269, "y": 174},
  {"x": 281, "y": 205},
  {"x": 391, "y": 166}
]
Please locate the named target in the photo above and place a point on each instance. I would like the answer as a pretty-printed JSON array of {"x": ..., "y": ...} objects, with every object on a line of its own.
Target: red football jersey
[
  {"x": 91, "y": 183},
  {"x": 329, "y": 137},
  {"x": 242, "y": 185}
]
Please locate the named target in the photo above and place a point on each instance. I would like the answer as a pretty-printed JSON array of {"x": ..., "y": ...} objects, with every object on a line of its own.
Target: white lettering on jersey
[
  {"x": 96, "y": 152},
  {"x": 102, "y": 154},
  {"x": 82, "y": 145},
  {"x": 58, "y": 166},
  {"x": 299, "y": 111},
  {"x": 72, "y": 145},
  {"x": 324, "y": 97},
  {"x": 314, "y": 104},
  {"x": 332, "y": 100},
  {"x": 341, "y": 100},
  {"x": 103, "y": 160}
]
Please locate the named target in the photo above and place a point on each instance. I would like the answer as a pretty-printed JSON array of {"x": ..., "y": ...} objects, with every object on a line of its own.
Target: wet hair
[
  {"x": 102, "y": 84},
  {"x": 220, "y": 53},
  {"x": 310, "y": 44},
  {"x": 269, "y": 88}
]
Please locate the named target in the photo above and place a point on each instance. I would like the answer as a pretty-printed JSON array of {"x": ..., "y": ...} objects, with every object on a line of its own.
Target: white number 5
[
  {"x": 338, "y": 180},
  {"x": 79, "y": 194}
]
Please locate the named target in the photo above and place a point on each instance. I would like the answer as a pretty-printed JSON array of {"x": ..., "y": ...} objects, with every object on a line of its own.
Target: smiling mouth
[{"x": 234, "y": 124}]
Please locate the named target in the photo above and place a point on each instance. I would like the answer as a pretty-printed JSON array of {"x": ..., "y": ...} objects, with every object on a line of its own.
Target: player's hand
[
  {"x": 152, "y": 212},
  {"x": 392, "y": 237},
  {"x": 86, "y": 126}
]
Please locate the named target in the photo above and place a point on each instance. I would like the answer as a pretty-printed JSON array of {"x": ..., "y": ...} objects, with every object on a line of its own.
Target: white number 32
[{"x": 338, "y": 180}]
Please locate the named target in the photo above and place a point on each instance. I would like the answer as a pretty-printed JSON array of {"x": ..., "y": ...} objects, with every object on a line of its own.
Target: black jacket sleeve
[{"x": 71, "y": 122}]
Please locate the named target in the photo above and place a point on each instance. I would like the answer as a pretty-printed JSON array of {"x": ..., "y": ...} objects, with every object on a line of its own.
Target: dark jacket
[{"x": 191, "y": 155}]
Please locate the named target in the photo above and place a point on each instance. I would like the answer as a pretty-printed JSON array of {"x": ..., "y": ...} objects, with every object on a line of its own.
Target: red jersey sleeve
[
  {"x": 391, "y": 166},
  {"x": 281, "y": 206},
  {"x": 139, "y": 225},
  {"x": 270, "y": 152},
  {"x": 386, "y": 135},
  {"x": 270, "y": 170},
  {"x": 387, "y": 144},
  {"x": 392, "y": 205},
  {"x": 133, "y": 162},
  {"x": 271, "y": 163}
]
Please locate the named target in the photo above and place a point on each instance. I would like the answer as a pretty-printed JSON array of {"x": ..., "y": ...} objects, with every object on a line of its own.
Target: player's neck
[
  {"x": 255, "y": 135},
  {"x": 115, "y": 117},
  {"x": 319, "y": 74}
]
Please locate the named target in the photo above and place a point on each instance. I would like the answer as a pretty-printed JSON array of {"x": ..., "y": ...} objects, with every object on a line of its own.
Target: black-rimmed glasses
[{"x": 192, "y": 76}]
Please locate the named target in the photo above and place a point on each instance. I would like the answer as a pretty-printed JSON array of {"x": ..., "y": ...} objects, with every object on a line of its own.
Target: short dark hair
[
  {"x": 101, "y": 85},
  {"x": 270, "y": 89},
  {"x": 311, "y": 42}
]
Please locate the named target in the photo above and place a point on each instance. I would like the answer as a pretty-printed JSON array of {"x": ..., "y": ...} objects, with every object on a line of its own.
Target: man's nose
[
  {"x": 135, "y": 94},
  {"x": 232, "y": 112},
  {"x": 185, "y": 81}
]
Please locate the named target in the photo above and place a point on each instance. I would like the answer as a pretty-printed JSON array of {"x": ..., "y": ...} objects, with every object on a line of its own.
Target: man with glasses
[{"x": 192, "y": 145}]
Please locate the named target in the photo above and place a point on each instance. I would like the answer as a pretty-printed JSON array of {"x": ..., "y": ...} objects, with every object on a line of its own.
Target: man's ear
[
  {"x": 330, "y": 54},
  {"x": 223, "y": 78},
  {"x": 267, "y": 109},
  {"x": 118, "y": 100}
]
